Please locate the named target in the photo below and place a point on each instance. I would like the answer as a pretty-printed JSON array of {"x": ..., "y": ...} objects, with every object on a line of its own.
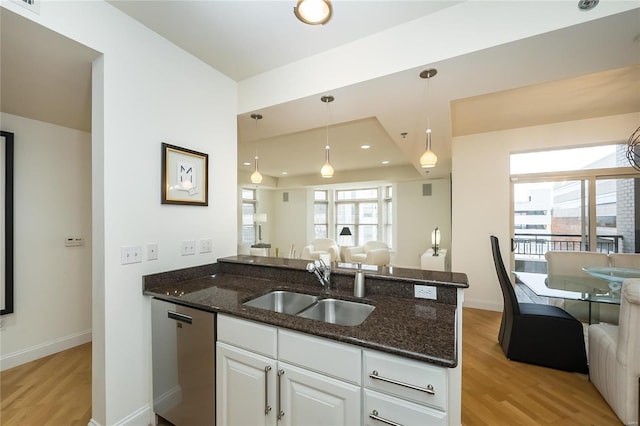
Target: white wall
[
  {"x": 291, "y": 223},
  {"x": 417, "y": 216},
  {"x": 145, "y": 91},
  {"x": 481, "y": 188},
  {"x": 52, "y": 183}
]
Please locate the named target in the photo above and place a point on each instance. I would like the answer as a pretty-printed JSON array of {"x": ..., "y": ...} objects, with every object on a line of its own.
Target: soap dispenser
[{"x": 358, "y": 283}]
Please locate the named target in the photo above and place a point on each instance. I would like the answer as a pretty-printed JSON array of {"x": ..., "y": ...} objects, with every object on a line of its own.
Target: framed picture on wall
[
  {"x": 6, "y": 223},
  {"x": 185, "y": 174}
]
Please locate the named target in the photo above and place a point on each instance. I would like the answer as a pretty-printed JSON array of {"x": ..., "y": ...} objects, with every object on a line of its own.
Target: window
[
  {"x": 320, "y": 214},
  {"x": 358, "y": 210},
  {"x": 388, "y": 215},
  {"x": 580, "y": 199},
  {"x": 248, "y": 212}
]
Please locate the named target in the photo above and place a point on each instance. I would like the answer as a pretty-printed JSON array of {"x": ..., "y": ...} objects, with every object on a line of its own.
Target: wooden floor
[{"x": 56, "y": 390}]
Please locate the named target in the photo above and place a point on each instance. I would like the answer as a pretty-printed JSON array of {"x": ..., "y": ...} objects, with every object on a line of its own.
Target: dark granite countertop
[{"x": 402, "y": 325}]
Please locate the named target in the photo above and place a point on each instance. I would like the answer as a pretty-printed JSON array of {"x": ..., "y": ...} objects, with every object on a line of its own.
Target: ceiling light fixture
[
  {"x": 429, "y": 158},
  {"x": 327, "y": 170},
  {"x": 256, "y": 177},
  {"x": 313, "y": 12},
  {"x": 365, "y": 146}
]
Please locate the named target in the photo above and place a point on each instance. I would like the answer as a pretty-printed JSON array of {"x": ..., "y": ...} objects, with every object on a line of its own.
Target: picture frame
[
  {"x": 185, "y": 176},
  {"x": 6, "y": 223}
]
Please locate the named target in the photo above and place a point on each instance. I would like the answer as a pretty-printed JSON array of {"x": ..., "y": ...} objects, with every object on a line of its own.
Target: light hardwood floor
[{"x": 56, "y": 390}]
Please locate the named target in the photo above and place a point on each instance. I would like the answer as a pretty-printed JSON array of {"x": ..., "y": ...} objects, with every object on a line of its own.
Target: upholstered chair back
[
  {"x": 570, "y": 263},
  {"x": 625, "y": 260}
]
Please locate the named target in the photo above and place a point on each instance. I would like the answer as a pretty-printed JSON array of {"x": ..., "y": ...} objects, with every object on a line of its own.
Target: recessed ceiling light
[
  {"x": 246, "y": 163},
  {"x": 313, "y": 12},
  {"x": 587, "y": 4},
  {"x": 365, "y": 146},
  {"x": 385, "y": 162},
  {"x": 285, "y": 173}
]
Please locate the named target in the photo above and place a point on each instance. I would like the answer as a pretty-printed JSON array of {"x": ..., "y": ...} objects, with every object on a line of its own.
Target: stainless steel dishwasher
[{"x": 183, "y": 356}]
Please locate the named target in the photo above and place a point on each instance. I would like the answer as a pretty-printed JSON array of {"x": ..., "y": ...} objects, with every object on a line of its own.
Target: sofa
[
  {"x": 370, "y": 253},
  {"x": 614, "y": 356},
  {"x": 313, "y": 250}
]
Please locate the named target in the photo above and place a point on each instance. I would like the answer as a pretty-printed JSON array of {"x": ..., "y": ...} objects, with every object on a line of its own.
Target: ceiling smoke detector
[{"x": 587, "y": 4}]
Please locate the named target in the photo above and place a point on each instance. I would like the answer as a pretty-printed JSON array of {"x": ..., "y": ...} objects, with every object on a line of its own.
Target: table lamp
[
  {"x": 260, "y": 218},
  {"x": 435, "y": 241}
]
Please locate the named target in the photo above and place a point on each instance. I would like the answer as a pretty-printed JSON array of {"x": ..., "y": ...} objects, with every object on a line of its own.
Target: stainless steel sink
[
  {"x": 286, "y": 302},
  {"x": 341, "y": 312}
]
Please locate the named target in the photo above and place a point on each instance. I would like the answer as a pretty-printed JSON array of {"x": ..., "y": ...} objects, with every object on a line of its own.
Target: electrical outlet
[
  {"x": 152, "y": 251},
  {"x": 206, "y": 245},
  {"x": 130, "y": 255},
  {"x": 425, "y": 292},
  {"x": 188, "y": 248}
]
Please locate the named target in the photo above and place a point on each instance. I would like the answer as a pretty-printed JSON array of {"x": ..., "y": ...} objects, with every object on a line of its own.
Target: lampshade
[
  {"x": 256, "y": 177},
  {"x": 346, "y": 231},
  {"x": 260, "y": 217},
  {"x": 428, "y": 158},
  {"x": 327, "y": 170},
  {"x": 313, "y": 12}
]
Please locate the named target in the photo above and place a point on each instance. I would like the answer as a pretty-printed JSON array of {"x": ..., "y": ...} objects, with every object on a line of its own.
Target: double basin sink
[{"x": 334, "y": 311}]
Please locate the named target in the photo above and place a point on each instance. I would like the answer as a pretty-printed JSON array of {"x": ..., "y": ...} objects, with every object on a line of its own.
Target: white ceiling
[{"x": 245, "y": 38}]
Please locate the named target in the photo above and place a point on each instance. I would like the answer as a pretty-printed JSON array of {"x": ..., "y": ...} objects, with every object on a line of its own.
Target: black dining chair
[{"x": 537, "y": 333}]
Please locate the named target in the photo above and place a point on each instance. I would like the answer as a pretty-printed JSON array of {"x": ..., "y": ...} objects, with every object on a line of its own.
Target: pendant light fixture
[
  {"x": 327, "y": 170},
  {"x": 429, "y": 158},
  {"x": 313, "y": 12},
  {"x": 256, "y": 177}
]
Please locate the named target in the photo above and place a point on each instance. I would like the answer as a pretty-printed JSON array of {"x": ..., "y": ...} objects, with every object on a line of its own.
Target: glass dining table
[{"x": 596, "y": 286}]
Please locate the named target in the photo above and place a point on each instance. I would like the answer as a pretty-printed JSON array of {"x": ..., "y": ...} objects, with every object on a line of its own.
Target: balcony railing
[{"x": 536, "y": 245}]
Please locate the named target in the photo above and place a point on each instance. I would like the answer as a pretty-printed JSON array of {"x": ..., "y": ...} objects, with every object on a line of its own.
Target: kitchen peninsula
[{"x": 403, "y": 360}]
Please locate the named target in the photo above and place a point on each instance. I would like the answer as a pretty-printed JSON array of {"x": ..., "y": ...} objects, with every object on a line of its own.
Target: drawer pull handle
[
  {"x": 375, "y": 416},
  {"x": 429, "y": 389},
  {"x": 267, "y": 407},
  {"x": 179, "y": 317}
]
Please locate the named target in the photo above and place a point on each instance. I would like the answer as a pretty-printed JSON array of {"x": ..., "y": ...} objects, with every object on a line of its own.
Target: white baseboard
[
  {"x": 479, "y": 304},
  {"x": 23, "y": 356},
  {"x": 143, "y": 416}
]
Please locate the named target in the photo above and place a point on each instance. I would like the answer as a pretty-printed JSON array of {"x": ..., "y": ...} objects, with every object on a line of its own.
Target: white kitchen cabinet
[
  {"x": 310, "y": 380},
  {"x": 253, "y": 389},
  {"x": 312, "y": 399},
  {"x": 403, "y": 391},
  {"x": 245, "y": 387},
  {"x": 381, "y": 409}
]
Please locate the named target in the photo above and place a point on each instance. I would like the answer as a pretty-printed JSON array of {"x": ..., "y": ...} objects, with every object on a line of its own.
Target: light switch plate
[
  {"x": 188, "y": 247},
  {"x": 130, "y": 255},
  {"x": 206, "y": 245}
]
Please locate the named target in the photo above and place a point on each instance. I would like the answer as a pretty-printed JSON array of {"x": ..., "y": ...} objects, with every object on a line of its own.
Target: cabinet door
[
  {"x": 245, "y": 387},
  {"x": 309, "y": 398}
]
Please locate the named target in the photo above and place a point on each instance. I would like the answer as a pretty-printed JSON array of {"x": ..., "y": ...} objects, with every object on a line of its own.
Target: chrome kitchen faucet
[{"x": 322, "y": 272}]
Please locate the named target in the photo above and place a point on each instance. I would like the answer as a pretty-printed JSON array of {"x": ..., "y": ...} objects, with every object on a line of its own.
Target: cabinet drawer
[
  {"x": 325, "y": 356},
  {"x": 382, "y": 410},
  {"x": 253, "y": 336},
  {"x": 406, "y": 378}
]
